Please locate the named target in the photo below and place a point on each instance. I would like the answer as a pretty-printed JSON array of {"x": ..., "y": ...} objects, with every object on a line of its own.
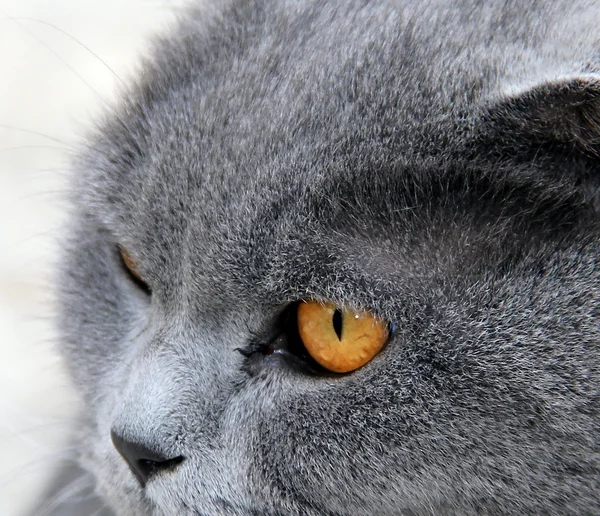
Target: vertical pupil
[{"x": 337, "y": 323}]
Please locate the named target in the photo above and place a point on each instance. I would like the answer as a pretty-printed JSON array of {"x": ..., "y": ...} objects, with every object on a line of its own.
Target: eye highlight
[
  {"x": 132, "y": 268},
  {"x": 340, "y": 340}
]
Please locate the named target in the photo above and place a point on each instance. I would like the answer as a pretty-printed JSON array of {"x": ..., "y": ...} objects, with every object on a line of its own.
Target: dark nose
[{"x": 143, "y": 462}]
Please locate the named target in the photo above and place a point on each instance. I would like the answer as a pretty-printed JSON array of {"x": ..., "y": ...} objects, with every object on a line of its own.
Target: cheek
[{"x": 98, "y": 317}]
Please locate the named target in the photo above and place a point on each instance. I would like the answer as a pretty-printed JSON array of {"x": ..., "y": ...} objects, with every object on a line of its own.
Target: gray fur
[{"x": 435, "y": 162}]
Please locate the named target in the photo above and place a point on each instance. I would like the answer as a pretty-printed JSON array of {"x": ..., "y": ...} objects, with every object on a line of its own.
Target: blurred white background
[{"x": 49, "y": 87}]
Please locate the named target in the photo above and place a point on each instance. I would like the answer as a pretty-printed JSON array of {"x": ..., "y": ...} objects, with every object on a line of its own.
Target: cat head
[{"x": 273, "y": 158}]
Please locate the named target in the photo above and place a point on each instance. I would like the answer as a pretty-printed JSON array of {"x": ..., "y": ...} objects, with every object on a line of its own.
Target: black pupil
[{"x": 337, "y": 323}]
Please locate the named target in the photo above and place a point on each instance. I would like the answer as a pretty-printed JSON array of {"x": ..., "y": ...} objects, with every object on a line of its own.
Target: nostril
[
  {"x": 148, "y": 468},
  {"x": 143, "y": 462}
]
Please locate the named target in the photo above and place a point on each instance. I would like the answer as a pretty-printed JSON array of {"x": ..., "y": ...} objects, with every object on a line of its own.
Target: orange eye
[
  {"x": 340, "y": 340},
  {"x": 133, "y": 269},
  {"x": 130, "y": 263}
]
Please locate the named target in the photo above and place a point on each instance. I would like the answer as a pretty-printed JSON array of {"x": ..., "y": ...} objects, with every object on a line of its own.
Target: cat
[{"x": 282, "y": 169}]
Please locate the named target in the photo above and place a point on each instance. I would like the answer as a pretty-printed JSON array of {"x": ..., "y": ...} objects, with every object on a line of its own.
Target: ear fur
[
  {"x": 552, "y": 126},
  {"x": 563, "y": 112}
]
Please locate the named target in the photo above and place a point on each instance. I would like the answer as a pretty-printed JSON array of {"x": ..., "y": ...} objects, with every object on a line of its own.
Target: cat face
[{"x": 273, "y": 157}]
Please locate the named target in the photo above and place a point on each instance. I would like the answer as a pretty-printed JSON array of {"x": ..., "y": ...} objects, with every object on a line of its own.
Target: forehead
[
  {"x": 227, "y": 134},
  {"x": 285, "y": 149}
]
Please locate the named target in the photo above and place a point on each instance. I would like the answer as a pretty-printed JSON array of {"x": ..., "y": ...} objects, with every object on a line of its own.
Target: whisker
[
  {"x": 47, "y": 464},
  {"x": 101, "y": 510},
  {"x": 51, "y": 194},
  {"x": 67, "y": 455},
  {"x": 72, "y": 38},
  {"x": 69, "y": 492},
  {"x": 40, "y": 235},
  {"x": 36, "y": 133},
  {"x": 73, "y": 70},
  {"x": 49, "y": 49},
  {"x": 35, "y": 428},
  {"x": 22, "y": 434},
  {"x": 24, "y": 147}
]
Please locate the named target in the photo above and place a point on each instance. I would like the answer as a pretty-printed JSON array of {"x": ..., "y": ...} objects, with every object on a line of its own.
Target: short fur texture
[{"x": 435, "y": 162}]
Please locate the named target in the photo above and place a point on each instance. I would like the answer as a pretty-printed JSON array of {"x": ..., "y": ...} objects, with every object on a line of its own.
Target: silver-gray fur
[{"x": 433, "y": 161}]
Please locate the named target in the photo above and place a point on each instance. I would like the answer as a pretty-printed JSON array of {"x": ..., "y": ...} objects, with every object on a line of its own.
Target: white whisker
[
  {"x": 71, "y": 492},
  {"x": 36, "y": 133},
  {"x": 49, "y": 49},
  {"x": 100, "y": 97},
  {"x": 102, "y": 509},
  {"x": 72, "y": 38},
  {"x": 28, "y": 147}
]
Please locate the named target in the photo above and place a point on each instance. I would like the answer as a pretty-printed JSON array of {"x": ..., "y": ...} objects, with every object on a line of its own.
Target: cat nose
[{"x": 143, "y": 462}]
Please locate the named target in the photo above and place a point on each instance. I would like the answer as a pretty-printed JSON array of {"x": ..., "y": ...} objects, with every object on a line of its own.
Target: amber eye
[
  {"x": 133, "y": 269},
  {"x": 340, "y": 340}
]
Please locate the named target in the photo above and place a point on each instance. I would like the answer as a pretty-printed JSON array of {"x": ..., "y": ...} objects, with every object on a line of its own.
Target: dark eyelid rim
[{"x": 262, "y": 344}]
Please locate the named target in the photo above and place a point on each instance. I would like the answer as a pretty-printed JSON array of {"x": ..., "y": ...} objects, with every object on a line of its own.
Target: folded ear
[{"x": 562, "y": 113}]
